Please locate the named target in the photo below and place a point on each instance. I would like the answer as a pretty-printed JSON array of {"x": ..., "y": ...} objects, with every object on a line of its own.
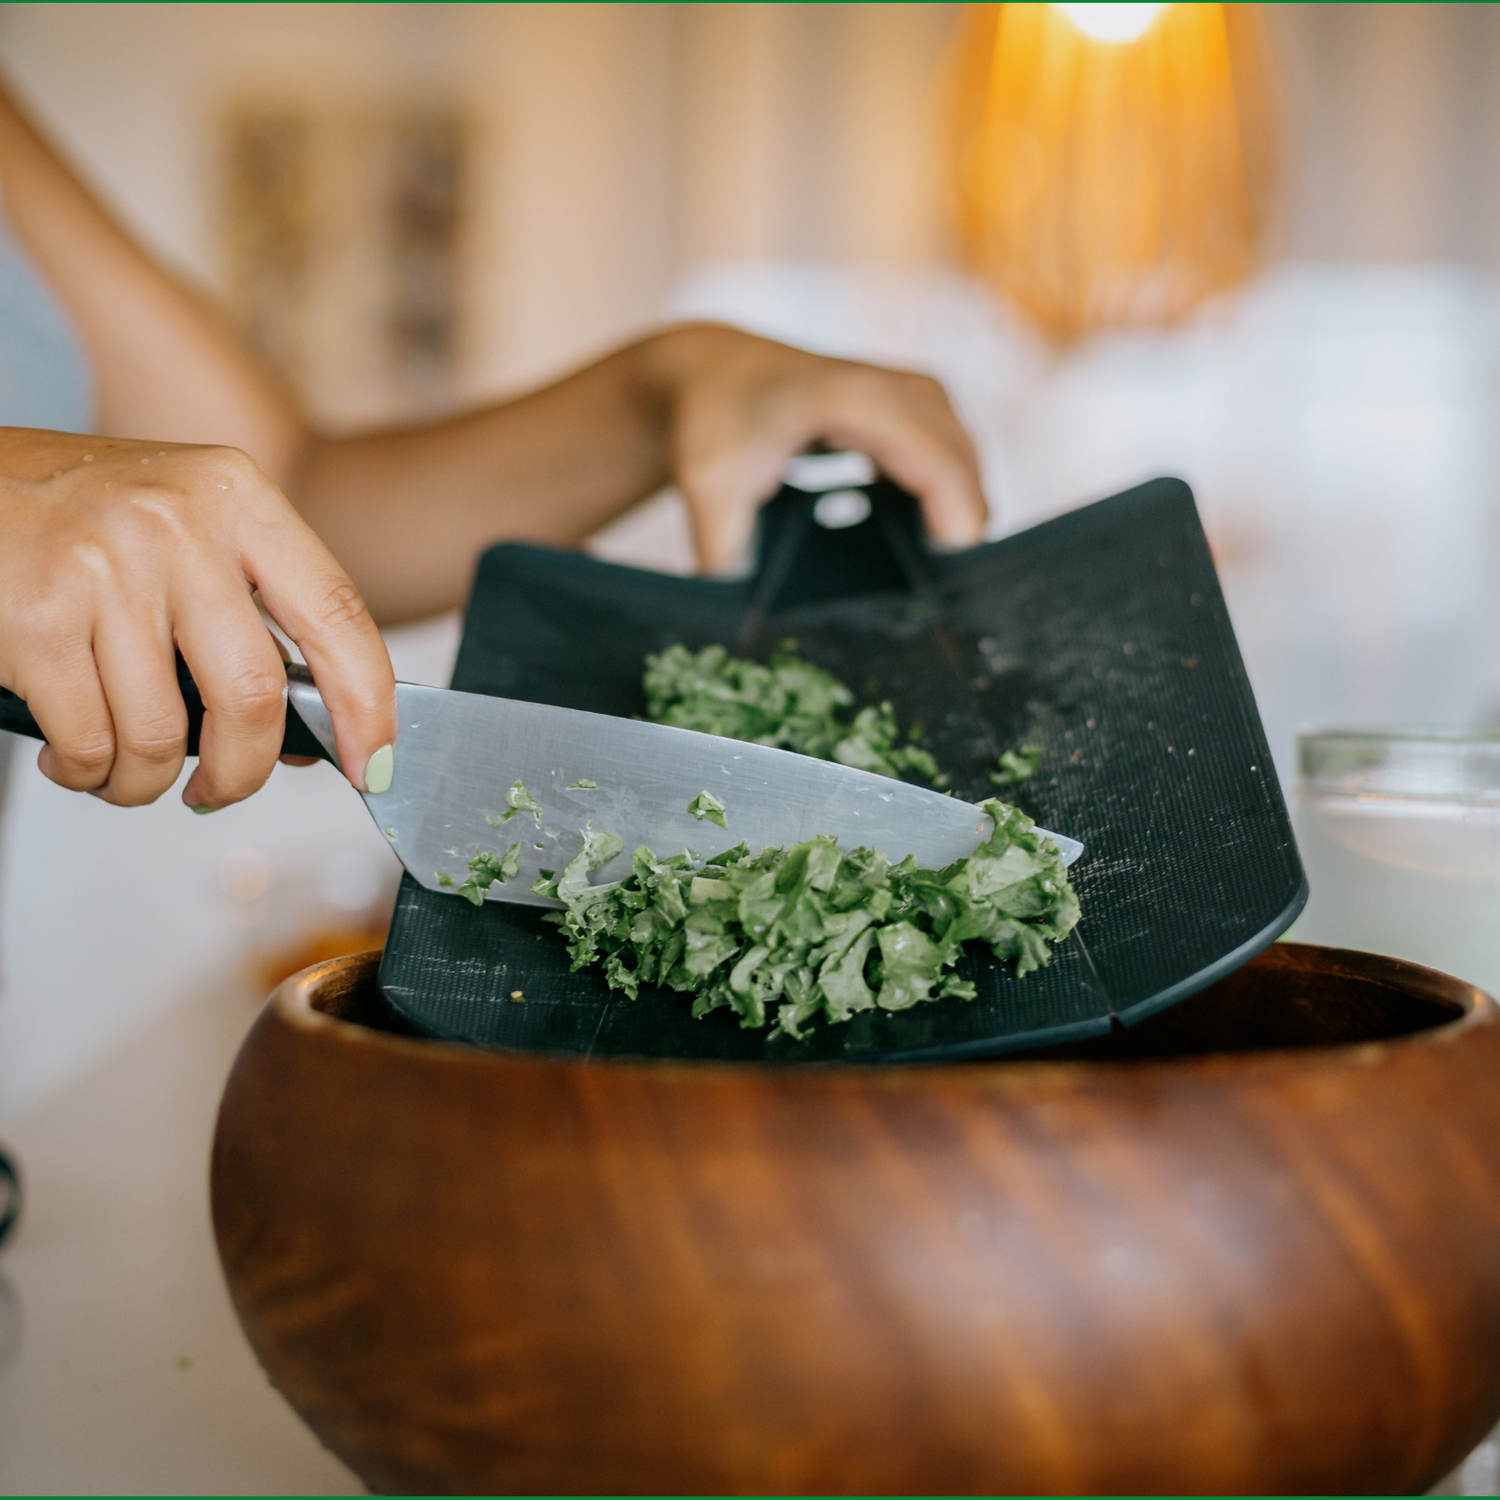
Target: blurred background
[{"x": 1266, "y": 262}]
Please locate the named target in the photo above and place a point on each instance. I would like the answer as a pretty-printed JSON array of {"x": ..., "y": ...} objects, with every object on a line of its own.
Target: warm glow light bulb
[
  {"x": 1113, "y": 165},
  {"x": 1112, "y": 23}
]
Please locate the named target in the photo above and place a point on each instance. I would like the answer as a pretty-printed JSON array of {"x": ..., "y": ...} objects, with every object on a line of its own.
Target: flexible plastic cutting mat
[{"x": 1101, "y": 636}]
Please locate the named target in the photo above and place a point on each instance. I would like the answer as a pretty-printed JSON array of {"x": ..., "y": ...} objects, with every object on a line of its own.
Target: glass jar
[{"x": 1400, "y": 834}]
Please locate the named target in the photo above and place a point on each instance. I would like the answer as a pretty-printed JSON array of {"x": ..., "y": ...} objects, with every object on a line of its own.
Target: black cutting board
[{"x": 1100, "y": 636}]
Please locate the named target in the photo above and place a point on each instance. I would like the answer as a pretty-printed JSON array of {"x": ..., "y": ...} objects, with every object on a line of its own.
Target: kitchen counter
[{"x": 122, "y": 1368}]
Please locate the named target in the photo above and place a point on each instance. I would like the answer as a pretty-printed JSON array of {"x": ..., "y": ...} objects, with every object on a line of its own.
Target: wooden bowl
[{"x": 1251, "y": 1246}]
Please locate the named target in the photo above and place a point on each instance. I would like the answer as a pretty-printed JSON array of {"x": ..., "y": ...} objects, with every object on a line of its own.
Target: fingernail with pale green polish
[
  {"x": 201, "y": 810},
  {"x": 378, "y": 770}
]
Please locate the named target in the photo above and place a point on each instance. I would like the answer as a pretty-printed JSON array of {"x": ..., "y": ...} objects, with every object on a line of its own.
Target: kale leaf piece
[
  {"x": 706, "y": 805},
  {"x": 572, "y": 886},
  {"x": 484, "y": 870},
  {"x": 1017, "y": 765},
  {"x": 791, "y": 935},
  {"x": 517, "y": 799},
  {"x": 790, "y": 703}
]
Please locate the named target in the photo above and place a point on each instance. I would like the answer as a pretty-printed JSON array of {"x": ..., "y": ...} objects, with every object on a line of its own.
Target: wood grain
[{"x": 1139, "y": 1269}]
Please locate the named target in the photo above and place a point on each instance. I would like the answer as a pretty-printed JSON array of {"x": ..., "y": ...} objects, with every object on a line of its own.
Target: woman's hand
[
  {"x": 739, "y": 407},
  {"x": 115, "y": 553},
  {"x": 717, "y": 410}
]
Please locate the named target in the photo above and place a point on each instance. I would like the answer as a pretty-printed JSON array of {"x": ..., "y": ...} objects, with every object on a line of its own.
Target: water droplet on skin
[
  {"x": 145, "y": 460},
  {"x": 88, "y": 458}
]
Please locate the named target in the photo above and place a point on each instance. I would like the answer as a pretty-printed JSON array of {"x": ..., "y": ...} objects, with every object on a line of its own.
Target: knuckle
[
  {"x": 44, "y": 621},
  {"x": 252, "y": 696},
  {"x": 233, "y": 467},
  {"x": 156, "y": 517},
  {"x": 158, "y": 743},
  {"x": 231, "y": 460},
  {"x": 341, "y": 605},
  {"x": 86, "y": 755}
]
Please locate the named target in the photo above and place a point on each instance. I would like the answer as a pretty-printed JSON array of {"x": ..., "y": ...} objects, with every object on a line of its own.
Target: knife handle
[{"x": 297, "y": 739}]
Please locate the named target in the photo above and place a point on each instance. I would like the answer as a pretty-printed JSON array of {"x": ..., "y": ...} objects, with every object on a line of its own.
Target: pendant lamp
[{"x": 1112, "y": 164}]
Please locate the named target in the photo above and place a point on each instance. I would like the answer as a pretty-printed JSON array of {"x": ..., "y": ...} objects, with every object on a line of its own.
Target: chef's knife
[{"x": 458, "y": 755}]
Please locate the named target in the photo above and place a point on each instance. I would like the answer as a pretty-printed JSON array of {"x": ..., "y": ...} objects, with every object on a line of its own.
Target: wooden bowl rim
[{"x": 292, "y": 1002}]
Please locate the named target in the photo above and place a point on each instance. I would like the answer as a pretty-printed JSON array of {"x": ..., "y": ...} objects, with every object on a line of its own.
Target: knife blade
[{"x": 457, "y": 755}]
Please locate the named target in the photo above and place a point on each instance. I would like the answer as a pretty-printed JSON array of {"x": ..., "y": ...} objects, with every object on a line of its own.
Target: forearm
[
  {"x": 407, "y": 511},
  {"x": 165, "y": 365},
  {"x": 715, "y": 409}
]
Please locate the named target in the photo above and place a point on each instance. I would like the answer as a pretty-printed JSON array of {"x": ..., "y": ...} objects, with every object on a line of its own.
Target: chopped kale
[
  {"x": 444, "y": 878},
  {"x": 583, "y": 784},
  {"x": 517, "y": 799},
  {"x": 706, "y": 805},
  {"x": 790, "y": 703},
  {"x": 1017, "y": 765},
  {"x": 790, "y": 935},
  {"x": 787, "y": 936},
  {"x": 572, "y": 886},
  {"x": 484, "y": 870}
]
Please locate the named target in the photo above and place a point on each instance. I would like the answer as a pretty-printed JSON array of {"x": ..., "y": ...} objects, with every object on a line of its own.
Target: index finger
[
  {"x": 913, "y": 434},
  {"x": 316, "y": 603}
]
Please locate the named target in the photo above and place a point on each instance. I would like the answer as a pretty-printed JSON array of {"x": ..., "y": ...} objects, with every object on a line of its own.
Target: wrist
[{"x": 672, "y": 357}]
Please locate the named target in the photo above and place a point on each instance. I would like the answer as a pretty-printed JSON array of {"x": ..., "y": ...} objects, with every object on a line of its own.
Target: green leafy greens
[
  {"x": 790, "y": 703},
  {"x": 517, "y": 799},
  {"x": 484, "y": 870},
  {"x": 813, "y": 930},
  {"x": 706, "y": 805},
  {"x": 787, "y": 936},
  {"x": 1017, "y": 765}
]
